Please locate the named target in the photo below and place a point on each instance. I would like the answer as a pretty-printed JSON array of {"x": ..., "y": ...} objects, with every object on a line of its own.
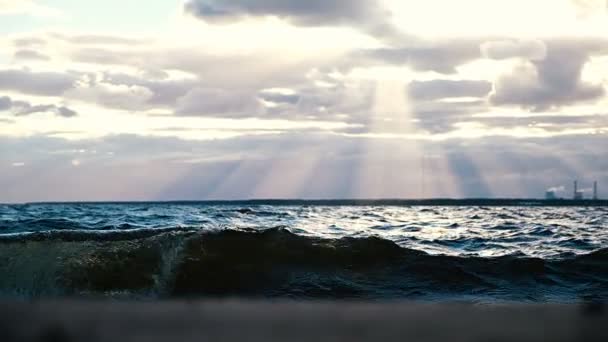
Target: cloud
[
  {"x": 128, "y": 97},
  {"x": 23, "y": 108},
  {"x": 229, "y": 85},
  {"x": 200, "y": 68},
  {"x": 5, "y": 103},
  {"x": 66, "y": 112},
  {"x": 217, "y": 102},
  {"x": 27, "y": 109},
  {"x": 552, "y": 82},
  {"x": 93, "y": 39},
  {"x": 550, "y": 123},
  {"x": 444, "y": 56},
  {"x": 279, "y": 96},
  {"x": 437, "y": 117},
  {"x": 30, "y": 55},
  {"x": 309, "y": 13},
  {"x": 367, "y": 15},
  {"x": 266, "y": 85},
  {"x": 194, "y": 83},
  {"x": 441, "y": 89},
  {"x": 108, "y": 89},
  {"x": 339, "y": 100},
  {"x": 503, "y": 49},
  {"x": 439, "y": 56},
  {"x": 165, "y": 91},
  {"x": 29, "y": 42},
  {"x": 36, "y": 83}
]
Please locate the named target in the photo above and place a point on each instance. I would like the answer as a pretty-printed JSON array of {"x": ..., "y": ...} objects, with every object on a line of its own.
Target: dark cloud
[
  {"x": 308, "y": 13},
  {"x": 28, "y": 42},
  {"x": 434, "y": 115},
  {"x": 548, "y": 76},
  {"x": 26, "y": 109},
  {"x": 439, "y": 89},
  {"x": 36, "y": 83},
  {"x": 23, "y": 108},
  {"x": 440, "y": 117},
  {"x": 368, "y": 15},
  {"x": 216, "y": 102},
  {"x": 512, "y": 48},
  {"x": 439, "y": 56},
  {"x": 553, "y": 81},
  {"x": 66, "y": 112},
  {"x": 340, "y": 102},
  {"x": 278, "y": 97},
  {"x": 30, "y": 55},
  {"x": 5, "y": 103},
  {"x": 444, "y": 56}
]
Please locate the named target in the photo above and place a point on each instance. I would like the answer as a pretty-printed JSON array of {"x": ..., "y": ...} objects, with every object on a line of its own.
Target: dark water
[{"x": 149, "y": 251}]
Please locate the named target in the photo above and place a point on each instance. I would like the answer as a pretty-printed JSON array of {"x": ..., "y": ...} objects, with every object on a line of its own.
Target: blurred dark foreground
[{"x": 64, "y": 321}]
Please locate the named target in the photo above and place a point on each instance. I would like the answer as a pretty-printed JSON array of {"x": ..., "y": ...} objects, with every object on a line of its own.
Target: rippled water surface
[
  {"x": 535, "y": 254},
  {"x": 493, "y": 231}
]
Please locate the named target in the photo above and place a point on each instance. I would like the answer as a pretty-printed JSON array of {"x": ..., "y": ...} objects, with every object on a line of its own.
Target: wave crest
[{"x": 277, "y": 263}]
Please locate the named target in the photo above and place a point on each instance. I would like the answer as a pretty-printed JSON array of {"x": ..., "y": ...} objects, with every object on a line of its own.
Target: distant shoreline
[{"x": 482, "y": 202}]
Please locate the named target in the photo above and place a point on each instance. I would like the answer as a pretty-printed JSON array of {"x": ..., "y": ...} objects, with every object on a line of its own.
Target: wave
[
  {"x": 61, "y": 224},
  {"x": 277, "y": 263}
]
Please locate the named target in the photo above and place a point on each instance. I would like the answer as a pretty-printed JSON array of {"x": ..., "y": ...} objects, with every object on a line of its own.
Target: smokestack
[
  {"x": 595, "y": 198},
  {"x": 575, "y": 190}
]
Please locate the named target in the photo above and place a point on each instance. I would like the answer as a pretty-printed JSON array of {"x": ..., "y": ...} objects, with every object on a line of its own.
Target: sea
[{"x": 305, "y": 251}]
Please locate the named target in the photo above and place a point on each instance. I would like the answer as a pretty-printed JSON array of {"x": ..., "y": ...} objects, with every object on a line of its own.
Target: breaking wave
[{"x": 276, "y": 263}]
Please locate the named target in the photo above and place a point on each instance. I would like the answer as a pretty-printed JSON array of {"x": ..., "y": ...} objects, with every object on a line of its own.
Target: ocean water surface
[{"x": 202, "y": 250}]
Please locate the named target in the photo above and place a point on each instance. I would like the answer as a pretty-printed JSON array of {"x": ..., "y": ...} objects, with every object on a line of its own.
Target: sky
[{"x": 128, "y": 100}]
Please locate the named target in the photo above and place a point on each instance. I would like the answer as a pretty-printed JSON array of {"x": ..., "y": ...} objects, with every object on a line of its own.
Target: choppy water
[{"x": 538, "y": 254}]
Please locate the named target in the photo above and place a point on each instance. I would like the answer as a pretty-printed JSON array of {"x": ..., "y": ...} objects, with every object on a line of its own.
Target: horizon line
[{"x": 385, "y": 201}]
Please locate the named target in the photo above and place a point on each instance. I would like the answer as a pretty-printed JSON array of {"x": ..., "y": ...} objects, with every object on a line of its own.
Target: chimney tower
[
  {"x": 595, "y": 198},
  {"x": 575, "y": 195}
]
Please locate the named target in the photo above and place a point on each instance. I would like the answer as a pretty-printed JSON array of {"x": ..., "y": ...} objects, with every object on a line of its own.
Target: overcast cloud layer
[{"x": 227, "y": 99}]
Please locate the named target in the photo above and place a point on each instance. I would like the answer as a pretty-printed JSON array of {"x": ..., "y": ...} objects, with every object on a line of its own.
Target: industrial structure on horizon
[{"x": 577, "y": 195}]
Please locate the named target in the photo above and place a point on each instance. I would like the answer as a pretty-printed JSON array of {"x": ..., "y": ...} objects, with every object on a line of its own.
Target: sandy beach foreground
[{"x": 58, "y": 321}]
